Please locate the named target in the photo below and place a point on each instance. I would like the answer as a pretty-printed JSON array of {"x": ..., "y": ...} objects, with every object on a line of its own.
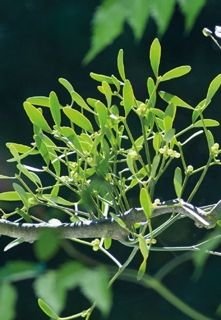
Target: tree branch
[{"x": 112, "y": 227}]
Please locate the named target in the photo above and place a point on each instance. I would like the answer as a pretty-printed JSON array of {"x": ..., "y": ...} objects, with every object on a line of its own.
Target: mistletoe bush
[{"x": 91, "y": 155}]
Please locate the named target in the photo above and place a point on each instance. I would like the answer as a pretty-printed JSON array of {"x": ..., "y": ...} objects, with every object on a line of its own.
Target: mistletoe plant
[{"x": 86, "y": 160}]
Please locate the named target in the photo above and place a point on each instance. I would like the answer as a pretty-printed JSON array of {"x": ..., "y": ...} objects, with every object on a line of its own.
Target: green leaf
[
  {"x": 157, "y": 140},
  {"x": 169, "y": 117},
  {"x": 47, "y": 245},
  {"x": 45, "y": 307},
  {"x": 169, "y": 135},
  {"x": 30, "y": 175},
  {"x": 36, "y": 117},
  {"x": 213, "y": 88},
  {"x": 120, "y": 64},
  {"x": 9, "y": 196},
  {"x": 102, "y": 113},
  {"x": 57, "y": 200},
  {"x": 146, "y": 202},
  {"x": 39, "y": 101},
  {"x": 70, "y": 134},
  {"x": 155, "y": 165},
  {"x": 142, "y": 270},
  {"x": 210, "y": 139},
  {"x": 8, "y": 297},
  {"x": 22, "y": 194},
  {"x": 66, "y": 84},
  {"x": 137, "y": 16},
  {"x": 151, "y": 87},
  {"x": 16, "y": 270},
  {"x": 47, "y": 288},
  {"x": 80, "y": 101},
  {"x": 206, "y": 123},
  {"x": 55, "y": 108},
  {"x": 170, "y": 98},
  {"x": 94, "y": 285},
  {"x": 177, "y": 181},
  {"x": 128, "y": 97},
  {"x": 101, "y": 77},
  {"x": 155, "y": 55},
  {"x": 199, "y": 110},
  {"x": 175, "y": 73},
  {"x": 162, "y": 12},
  {"x": 107, "y": 25},
  {"x": 20, "y": 148},
  {"x": 78, "y": 118},
  {"x": 107, "y": 92},
  {"x": 191, "y": 10}
]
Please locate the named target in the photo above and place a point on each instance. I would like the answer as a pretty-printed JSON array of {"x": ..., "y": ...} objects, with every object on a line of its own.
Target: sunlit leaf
[
  {"x": 175, "y": 73},
  {"x": 36, "y": 117},
  {"x": 146, "y": 203},
  {"x": 101, "y": 77},
  {"x": 45, "y": 307},
  {"x": 151, "y": 91},
  {"x": 9, "y": 196},
  {"x": 80, "y": 101},
  {"x": 157, "y": 140},
  {"x": 71, "y": 135},
  {"x": 155, "y": 55},
  {"x": 178, "y": 181},
  {"x": 39, "y": 101},
  {"x": 120, "y": 64},
  {"x": 55, "y": 108},
  {"x": 128, "y": 97},
  {"x": 169, "y": 135},
  {"x": 170, "y": 98},
  {"x": 66, "y": 84},
  {"x": 206, "y": 123},
  {"x": 107, "y": 92},
  {"x": 78, "y": 118},
  {"x": 213, "y": 88},
  {"x": 102, "y": 113},
  {"x": 22, "y": 194}
]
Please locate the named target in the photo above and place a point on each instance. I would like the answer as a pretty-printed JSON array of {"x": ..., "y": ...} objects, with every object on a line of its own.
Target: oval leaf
[
  {"x": 206, "y": 123},
  {"x": 155, "y": 55},
  {"x": 175, "y": 73},
  {"x": 177, "y": 181},
  {"x": 66, "y": 84},
  {"x": 78, "y": 118},
  {"x": 128, "y": 97},
  {"x": 47, "y": 309},
  {"x": 120, "y": 64},
  {"x": 36, "y": 117},
  {"x": 102, "y": 113},
  {"x": 39, "y": 101},
  {"x": 213, "y": 87},
  {"x": 80, "y": 101},
  {"x": 146, "y": 202},
  {"x": 55, "y": 108}
]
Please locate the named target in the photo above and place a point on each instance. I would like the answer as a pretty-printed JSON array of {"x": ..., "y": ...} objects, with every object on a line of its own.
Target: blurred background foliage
[{"x": 41, "y": 41}]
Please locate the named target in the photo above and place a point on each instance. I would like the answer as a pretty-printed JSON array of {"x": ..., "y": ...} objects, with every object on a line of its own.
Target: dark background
[{"x": 41, "y": 41}]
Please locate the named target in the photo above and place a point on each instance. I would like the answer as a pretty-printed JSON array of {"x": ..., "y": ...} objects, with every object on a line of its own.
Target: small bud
[
  {"x": 189, "y": 169},
  {"x": 207, "y": 32}
]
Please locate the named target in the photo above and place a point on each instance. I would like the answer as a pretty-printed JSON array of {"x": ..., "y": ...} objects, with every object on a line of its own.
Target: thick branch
[{"x": 109, "y": 227}]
